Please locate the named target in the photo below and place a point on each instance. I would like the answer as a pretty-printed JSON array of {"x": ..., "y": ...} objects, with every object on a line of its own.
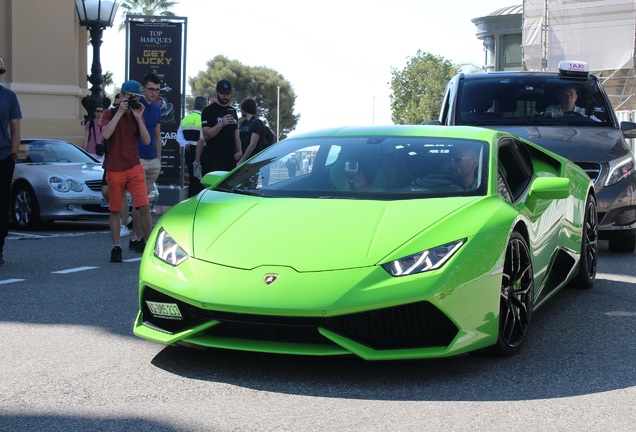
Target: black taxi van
[{"x": 567, "y": 112}]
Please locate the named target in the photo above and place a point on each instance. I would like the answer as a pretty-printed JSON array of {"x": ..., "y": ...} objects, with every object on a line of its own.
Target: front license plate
[
  {"x": 104, "y": 202},
  {"x": 165, "y": 310}
]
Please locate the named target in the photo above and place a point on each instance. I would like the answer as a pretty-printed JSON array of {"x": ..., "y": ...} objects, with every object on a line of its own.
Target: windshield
[
  {"x": 49, "y": 151},
  {"x": 531, "y": 100},
  {"x": 364, "y": 167}
]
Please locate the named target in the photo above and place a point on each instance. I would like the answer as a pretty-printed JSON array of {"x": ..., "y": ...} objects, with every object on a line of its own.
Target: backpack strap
[{"x": 91, "y": 127}]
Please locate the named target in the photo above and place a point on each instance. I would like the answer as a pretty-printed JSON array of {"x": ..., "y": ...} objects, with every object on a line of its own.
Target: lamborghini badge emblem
[{"x": 270, "y": 278}]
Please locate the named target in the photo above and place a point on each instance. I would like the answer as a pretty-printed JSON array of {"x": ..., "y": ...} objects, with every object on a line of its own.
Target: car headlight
[
  {"x": 619, "y": 169},
  {"x": 420, "y": 262},
  {"x": 168, "y": 250},
  {"x": 65, "y": 185}
]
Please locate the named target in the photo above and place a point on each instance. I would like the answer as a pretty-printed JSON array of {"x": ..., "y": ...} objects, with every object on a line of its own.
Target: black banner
[{"x": 156, "y": 47}]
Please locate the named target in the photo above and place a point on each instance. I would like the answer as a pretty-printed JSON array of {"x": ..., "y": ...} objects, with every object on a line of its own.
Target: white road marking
[
  {"x": 22, "y": 236},
  {"x": 615, "y": 277},
  {"x": 132, "y": 259},
  {"x": 74, "y": 270},
  {"x": 621, "y": 314},
  {"x": 8, "y": 281}
]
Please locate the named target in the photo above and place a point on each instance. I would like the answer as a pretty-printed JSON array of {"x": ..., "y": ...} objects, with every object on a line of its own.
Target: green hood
[{"x": 309, "y": 234}]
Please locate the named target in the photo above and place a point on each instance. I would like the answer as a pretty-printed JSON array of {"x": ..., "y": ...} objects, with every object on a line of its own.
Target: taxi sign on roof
[{"x": 574, "y": 69}]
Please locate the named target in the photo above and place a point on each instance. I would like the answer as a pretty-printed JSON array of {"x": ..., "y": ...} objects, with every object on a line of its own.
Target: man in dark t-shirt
[{"x": 219, "y": 123}]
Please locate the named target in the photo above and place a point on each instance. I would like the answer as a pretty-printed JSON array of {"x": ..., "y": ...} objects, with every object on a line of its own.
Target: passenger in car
[{"x": 361, "y": 179}]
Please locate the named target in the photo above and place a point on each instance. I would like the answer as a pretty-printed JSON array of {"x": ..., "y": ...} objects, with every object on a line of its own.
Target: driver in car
[
  {"x": 568, "y": 96},
  {"x": 463, "y": 165}
]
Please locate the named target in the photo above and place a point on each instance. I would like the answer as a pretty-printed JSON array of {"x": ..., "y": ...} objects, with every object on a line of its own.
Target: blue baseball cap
[{"x": 131, "y": 87}]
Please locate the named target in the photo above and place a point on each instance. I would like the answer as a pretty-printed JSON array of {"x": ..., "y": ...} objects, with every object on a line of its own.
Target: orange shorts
[{"x": 133, "y": 180}]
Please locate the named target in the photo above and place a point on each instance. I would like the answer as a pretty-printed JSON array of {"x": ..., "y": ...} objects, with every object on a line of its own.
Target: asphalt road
[{"x": 69, "y": 362}]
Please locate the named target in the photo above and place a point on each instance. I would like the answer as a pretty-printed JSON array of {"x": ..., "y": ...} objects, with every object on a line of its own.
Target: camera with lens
[
  {"x": 351, "y": 169},
  {"x": 133, "y": 104}
]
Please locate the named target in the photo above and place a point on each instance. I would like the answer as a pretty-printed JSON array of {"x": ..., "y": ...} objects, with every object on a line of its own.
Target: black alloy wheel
[
  {"x": 589, "y": 247},
  {"x": 517, "y": 297}
]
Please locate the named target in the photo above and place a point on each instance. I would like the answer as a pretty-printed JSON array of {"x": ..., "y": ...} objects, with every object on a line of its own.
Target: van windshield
[{"x": 531, "y": 100}]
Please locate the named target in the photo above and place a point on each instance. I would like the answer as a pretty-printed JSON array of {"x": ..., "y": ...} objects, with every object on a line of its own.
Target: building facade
[
  {"x": 46, "y": 50},
  {"x": 501, "y": 33},
  {"x": 538, "y": 34}
]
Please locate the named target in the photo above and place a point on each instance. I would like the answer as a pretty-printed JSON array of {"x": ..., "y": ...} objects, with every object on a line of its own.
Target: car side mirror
[
  {"x": 629, "y": 129},
  {"x": 547, "y": 188},
  {"x": 212, "y": 179}
]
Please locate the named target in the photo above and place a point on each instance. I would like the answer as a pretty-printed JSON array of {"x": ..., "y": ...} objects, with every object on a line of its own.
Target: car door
[{"x": 544, "y": 216}]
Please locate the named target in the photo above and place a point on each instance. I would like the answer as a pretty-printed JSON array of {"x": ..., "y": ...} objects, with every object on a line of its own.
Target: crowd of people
[
  {"x": 126, "y": 138},
  {"x": 212, "y": 137}
]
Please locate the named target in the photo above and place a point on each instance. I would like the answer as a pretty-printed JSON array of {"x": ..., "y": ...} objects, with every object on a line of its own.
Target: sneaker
[
  {"x": 123, "y": 232},
  {"x": 115, "y": 254},
  {"x": 129, "y": 222},
  {"x": 131, "y": 244},
  {"x": 139, "y": 245}
]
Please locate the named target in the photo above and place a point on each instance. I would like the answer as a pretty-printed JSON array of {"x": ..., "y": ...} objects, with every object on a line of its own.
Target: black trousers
[
  {"x": 194, "y": 185},
  {"x": 7, "y": 166}
]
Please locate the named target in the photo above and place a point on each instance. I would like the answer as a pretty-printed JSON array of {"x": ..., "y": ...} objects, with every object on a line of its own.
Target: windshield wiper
[{"x": 240, "y": 190}]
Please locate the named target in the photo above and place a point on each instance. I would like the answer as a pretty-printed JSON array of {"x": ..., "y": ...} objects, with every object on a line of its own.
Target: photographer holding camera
[{"x": 121, "y": 131}]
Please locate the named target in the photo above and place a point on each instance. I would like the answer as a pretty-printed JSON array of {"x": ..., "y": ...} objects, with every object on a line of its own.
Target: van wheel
[{"x": 625, "y": 244}]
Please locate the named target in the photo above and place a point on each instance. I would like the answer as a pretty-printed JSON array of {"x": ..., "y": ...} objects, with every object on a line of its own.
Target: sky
[{"x": 336, "y": 54}]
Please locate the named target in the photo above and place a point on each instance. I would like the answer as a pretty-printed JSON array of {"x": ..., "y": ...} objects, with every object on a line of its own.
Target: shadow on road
[
  {"x": 56, "y": 423},
  {"x": 580, "y": 343}
]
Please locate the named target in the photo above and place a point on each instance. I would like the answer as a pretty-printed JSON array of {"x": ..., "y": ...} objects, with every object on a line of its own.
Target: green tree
[
  {"x": 107, "y": 77},
  {"x": 145, "y": 7},
  {"x": 418, "y": 89},
  {"x": 258, "y": 82}
]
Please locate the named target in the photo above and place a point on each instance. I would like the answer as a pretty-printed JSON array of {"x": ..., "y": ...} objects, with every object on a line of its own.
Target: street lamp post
[{"x": 95, "y": 15}]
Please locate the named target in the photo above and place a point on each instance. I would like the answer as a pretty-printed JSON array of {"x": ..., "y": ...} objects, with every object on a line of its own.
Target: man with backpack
[
  {"x": 255, "y": 135},
  {"x": 93, "y": 133},
  {"x": 250, "y": 130}
]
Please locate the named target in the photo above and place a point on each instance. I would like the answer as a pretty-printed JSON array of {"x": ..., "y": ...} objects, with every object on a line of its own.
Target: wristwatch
[{"x": 14, "y": 156}]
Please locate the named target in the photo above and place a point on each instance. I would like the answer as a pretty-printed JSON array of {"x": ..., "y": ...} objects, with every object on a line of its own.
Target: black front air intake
[{"x": 415, "y": 325}]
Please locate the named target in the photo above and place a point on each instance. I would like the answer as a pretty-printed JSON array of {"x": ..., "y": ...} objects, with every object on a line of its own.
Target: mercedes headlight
[
  {"x": 65, "y": 185},
  {"x": 168, "y": 250},
  {"x": 420, "y": 262},
  {"x": 619, "y": 169}
]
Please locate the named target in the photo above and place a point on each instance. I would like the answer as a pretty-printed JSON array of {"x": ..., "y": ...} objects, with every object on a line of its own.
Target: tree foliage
[
  {"x": 107, "y": 79},
  {"x": 418, "y": 89},
  {"x": 258, "y": 82},
  {"x": 145, "y": 7}
]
